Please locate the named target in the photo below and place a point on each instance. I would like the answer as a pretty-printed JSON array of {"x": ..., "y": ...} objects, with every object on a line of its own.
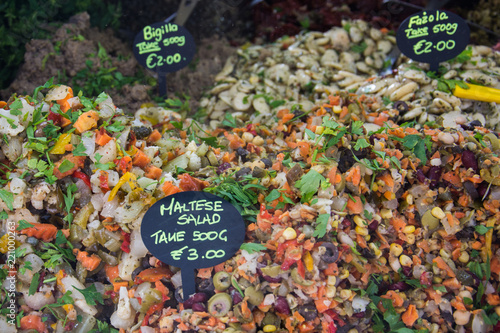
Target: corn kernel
[
  {"x": 359, "y": 221},
  {"x": 497, "y": 310},
  {"x": 405, "y": 260},
  {"x": 345, "y": 294},
  {"x": 409, "y": 199},
  {"x": 374, "y": 187},
  {"x": 445, "y": 254},
  {"x": 331, "y": 280},
  {"x": 344, "y": 275},
  {"x": 386, "y": 213},
  {"x": 396, "y": 249},
  {"x": 382, "y": 261},
  {"x": 289, "y": 233},
  {"x": 361, "y": 231},
  {"x": 269, "y": 328},
  {"x": 337, "y": 109},
  {"x": 353, "y": 330},
  {"x": 409, "y": 229},
  {"x": 437, "y": 279},
  {"x": 319, "y": 130},
  {"x": 410, "y": 238},
  {"x": 331, "y": 291},
  {"x": 464, "y": 257},
  {"x": 438, "y": 213}
]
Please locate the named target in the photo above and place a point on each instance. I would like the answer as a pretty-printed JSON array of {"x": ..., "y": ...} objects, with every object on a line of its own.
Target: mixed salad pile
[{"x": 354, "y": 222}]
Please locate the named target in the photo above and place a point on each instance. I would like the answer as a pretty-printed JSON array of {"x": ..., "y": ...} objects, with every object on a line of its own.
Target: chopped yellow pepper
[
  {"x": 127, "y": 177},
  {"x": 488, "y": 237},
  {"x": 60, "y": 146},
  {"x": 4, "y": 244},
  {"x": 308, "y": 261}
]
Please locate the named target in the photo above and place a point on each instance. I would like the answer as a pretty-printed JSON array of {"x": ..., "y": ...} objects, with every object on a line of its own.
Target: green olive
[
  {"x": 297, "y": 278},
  {"x": 339, "y": 187},
  {"x": 220, "y": 304},
  {"x": 222, "y": 280},
  {"x": 428, "y": 220},
  {"x": 271, "y": 271},
  {"x": 271, "y": 319},
  {"x": 492, "y": 138},
  {"x": 255, "y": 297},
  {"x": 491, "y": 176}
]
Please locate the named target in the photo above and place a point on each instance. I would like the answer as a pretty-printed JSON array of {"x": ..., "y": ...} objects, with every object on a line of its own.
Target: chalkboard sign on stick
[
  {"x": 192, "y": 230},
  {"x": 164, "y": 48},
  {"x": 433, "y": 36}
]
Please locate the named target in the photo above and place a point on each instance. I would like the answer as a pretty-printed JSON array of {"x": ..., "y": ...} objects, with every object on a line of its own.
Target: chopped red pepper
[
  {"x": 188, "y": 183},
  {"x": 126, "y": 242},
  {"x": 151, "y": 310},
  {"x": 332, "y": 328},
  {"x": 103, "y": 181},
  {"x": 287, "y": 263},
  {"x": 55, "y": 117},
  {"x": 82, "y": 176},
  {"x": 283, "y": 246},
  {"x": 301, "y": 269}
]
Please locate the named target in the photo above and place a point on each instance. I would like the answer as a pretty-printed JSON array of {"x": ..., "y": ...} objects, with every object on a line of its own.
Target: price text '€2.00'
[
  {"x": 186, "y": 218},
  {"x": 415, "y": 31},
  {"x": 154, "y": 41}
]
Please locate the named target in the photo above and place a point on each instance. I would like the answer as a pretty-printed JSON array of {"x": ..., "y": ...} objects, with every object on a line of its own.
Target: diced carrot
[
  {"x": 153, "y": 274},
  {"x": 77, "y": 161},
  {"x": 88, "y": 262},
  {"x": 304, "y": 148},
  {"x": 410, "y": 315},
  {"x": 458, "y": 303},
  {"x": 398, "y": 223},
  {"x": 495, "y": 265},
  {"x": 152, "y": 172},
  {"x": 441, "y": 264},
  {"x": 140, "y": 159},
  {"x": 332, "y": 269},
  {"x": 118, "y": 285},
  {"x": 452, "y": 283},
  {"x": 235, "y": 141},
  {"x": 64, "y": 101},
  {"x": 102, "y": 137},
  {"x": 493, "y": 299},
  {"x": 168, "y": 188},
  {"x": 354, "y": 175},
  {"x": 205, "y": 273},
  {"x": 154, "y": 136},
  {"x": 34, "y": 322},
  {"x": 354, "y": 205},
  {"x": 43, "y": 231},
  {"x": 161, "y": 287},
  {"x": 86, "y": 121},
  {"x": 112, "y": 272},
  {"x": 397, "y": 300},
  {"x": 2, "y": 104},
  {"x": 124, "y": 164}
]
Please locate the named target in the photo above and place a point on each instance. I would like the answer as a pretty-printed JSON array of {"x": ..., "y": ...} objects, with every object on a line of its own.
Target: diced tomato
[
  {"x": 188, "y": 183},
  {"x": 332, "y": 328},
  {"x": 55, "y": 117},
  {"x": 83, "y": 176},
  {"x": 283, "y": 246},
  {"x": 301, "y": 269},
  {"x": 126, "y": 242},
  {"x": 287, "y": 263}
]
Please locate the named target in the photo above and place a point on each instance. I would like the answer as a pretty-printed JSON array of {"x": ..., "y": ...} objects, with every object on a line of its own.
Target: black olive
[
  {"x": 465, "y": 277},
  {"x": 346, "y": 160},
  {"x": 242, "y": 172},
  {"x": 475, "y": 123},
  {"x": 365, "y": 252},
  {"x": 258, "y": 172},
  {"x": 178, "y": 295},
  {"x": 308, "y": 311},
  {"x": 141, "y": 132},
  {"x": 45, "y": 217},
  {"x": 294, "y": 174},
  {"x": 332, "y": 253},
  {"x": 465, "y": 233},
  {"x": 206, "y": 286},
  {"x": 344, "y": 329},
  {"x": 136, "y": 272},
  {"x": 267, "y": 162},
  {"x": 448, "y": 317},
  {"x": 243, "y": 153},
  {"x": 145, "y": 262},
  {"x": 49, "y": 317},
  {"x": 471, "y": 189},
  {"x": 298, "y": 114}
]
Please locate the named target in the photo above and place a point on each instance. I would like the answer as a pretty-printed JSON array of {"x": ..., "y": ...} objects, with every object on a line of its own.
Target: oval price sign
[
  {"x": 164, "y": 47},
  {"x": 192, "y": 230},
  {"x": 433, "y": 36}
]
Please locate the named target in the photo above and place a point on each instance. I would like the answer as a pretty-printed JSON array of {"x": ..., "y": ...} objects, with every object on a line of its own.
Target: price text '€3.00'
[
  {"x": 154, "y": 40},
  {"x": 187, "y": 217}
]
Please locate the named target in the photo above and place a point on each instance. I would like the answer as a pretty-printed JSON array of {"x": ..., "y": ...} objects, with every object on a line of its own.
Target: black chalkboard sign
[
  {"x": 164, "y": 48},
  {"x": 192, "y": 230},
  {"x": 433, "y": 36}
]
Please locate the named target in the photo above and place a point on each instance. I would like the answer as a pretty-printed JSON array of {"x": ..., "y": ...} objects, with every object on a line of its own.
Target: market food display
[{"x": 371, "y": 202}]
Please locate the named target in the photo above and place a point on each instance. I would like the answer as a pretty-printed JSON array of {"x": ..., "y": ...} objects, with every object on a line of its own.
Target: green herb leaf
[
  {"x": 275, "y": 194},
  {"x": 252, "y": 247},
  {"x": 309, "y": 184},
  {"x": 65, "y": 166},
  {"x": 91, "y": 295},
  {"x": 357, "y": 127},
  {"x": 359, "y": 48},
  {"x": 23, "y": 224},
  {"x": 4, "y": 215},
  {"x": 35, "y": 282},
  {"x": 15, "y": 107},
  {"x": 321, "y": 225},
  {"x": 360, "y": 144},
  {"x": 7, "y": 198},
  {"x": 115, "y": 127},
  {"x": 79, "y": 150},
  {"x": 481, "y": 229}
]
